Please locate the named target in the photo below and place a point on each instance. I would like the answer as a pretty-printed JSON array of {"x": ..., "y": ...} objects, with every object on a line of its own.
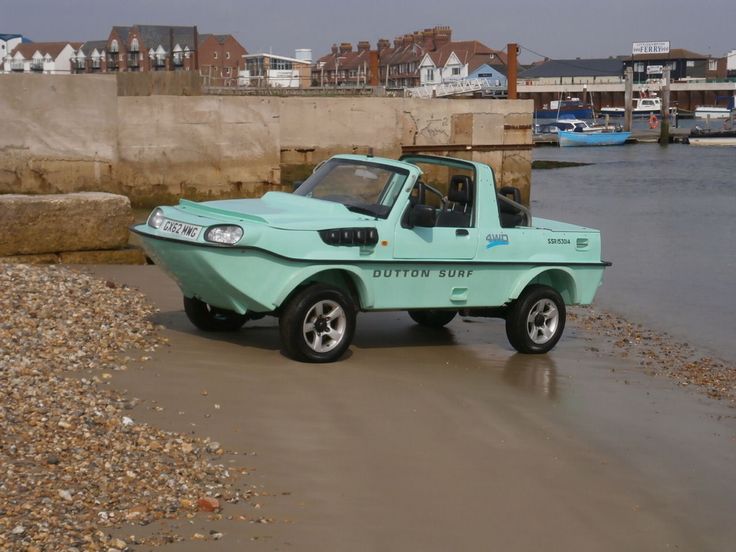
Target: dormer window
[
  {"x": 114, "y": 47},
  {"x": 134, "y": 46}
]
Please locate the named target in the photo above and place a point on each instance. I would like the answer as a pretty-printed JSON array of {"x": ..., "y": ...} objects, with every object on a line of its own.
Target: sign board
[
  {"x": 650, "y": 48},
  {"x": 655, "y": 69}
]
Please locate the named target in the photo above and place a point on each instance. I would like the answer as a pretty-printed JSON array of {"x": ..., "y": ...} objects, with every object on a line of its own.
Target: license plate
[{"x": 180, "y": 229}]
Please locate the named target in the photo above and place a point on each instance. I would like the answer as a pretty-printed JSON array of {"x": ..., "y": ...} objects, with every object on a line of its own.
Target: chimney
[
  {"x": 427, "y": 42},
  {"x": 364, "y": 46},
  {"x": 442, "y": 35},
  {"x": 346, "y": 47},
  {"x": 383, "y": 43},
  {"x": 398, "y": 42},
  {"x": 334, "y": 48}
]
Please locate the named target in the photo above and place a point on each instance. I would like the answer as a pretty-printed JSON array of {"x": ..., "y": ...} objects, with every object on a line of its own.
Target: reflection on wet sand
[{"x": 532, "y": 373}]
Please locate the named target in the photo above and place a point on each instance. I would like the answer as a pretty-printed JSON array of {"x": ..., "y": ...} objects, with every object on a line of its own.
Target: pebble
[{"x": 60, "y": 331}]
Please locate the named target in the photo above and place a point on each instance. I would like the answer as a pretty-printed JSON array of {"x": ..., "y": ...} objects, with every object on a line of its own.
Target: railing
[
  {"x": 133, "y": 60},
  {"x": 17, "y": 66},
  {"x": 453, "y": 88},
  {"x": 37, "y": 66}
]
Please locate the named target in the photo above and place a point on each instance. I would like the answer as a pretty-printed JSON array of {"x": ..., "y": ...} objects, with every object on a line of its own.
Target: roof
[
  {"x": 274, "y": 56},
  {"x": 606, "y": 67},
  {"x": 9, "y": 36},
  {"x": 122, "y": 32},
  {"x": 167, "y": 36},
  {"x": 675, "y": 53},
  {"x": 92, "y": 45},
  {"x": 220, "y": 38},
  {"x": 51, "y": 48}
]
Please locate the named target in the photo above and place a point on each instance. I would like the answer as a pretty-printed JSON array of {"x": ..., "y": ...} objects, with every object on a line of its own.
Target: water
[{"x": 668, "y": 217}]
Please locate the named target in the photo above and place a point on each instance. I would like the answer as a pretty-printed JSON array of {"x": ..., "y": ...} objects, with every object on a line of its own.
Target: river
[{"x": 668, "y": 218}]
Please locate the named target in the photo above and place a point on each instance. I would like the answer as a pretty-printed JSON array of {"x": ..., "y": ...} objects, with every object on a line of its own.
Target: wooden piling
[{"x": 664, "y": 129}]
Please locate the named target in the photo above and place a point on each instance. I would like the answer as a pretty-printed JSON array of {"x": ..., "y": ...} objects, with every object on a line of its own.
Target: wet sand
[{"x": 441, "y": 440}]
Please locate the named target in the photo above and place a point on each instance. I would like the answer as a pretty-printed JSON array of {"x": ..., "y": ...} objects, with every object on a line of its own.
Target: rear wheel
[
  {"x": 536, "y": 320},
  {"x": 432, "y": 318},
  {"x": 212, "y": 319},
  {"x": 317, "y": 324}
]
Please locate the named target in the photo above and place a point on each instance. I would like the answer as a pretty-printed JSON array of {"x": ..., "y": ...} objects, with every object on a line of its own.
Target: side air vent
[
  {"x": 581, "y": 243},
  {"x": 349, "y": 236}
]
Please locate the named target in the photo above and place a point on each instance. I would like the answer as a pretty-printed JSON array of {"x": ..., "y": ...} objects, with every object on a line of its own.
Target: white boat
[
  {"x": 643, "y": 107},
  {"x": 716, "y": 111},
  {"x": 574, "y": 125}
]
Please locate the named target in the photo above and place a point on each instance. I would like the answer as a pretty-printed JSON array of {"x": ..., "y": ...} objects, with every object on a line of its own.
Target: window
[
  {"x": 712, "y": 64},
  {"x": 134, "y": 46},
  {"x": 114, "y": 46},
  {"x": 455, "y": 71},
  {"x": 215, "y": 55},
  {"x": 283, "y": 64},
  {"x": 690, "y": 63},
  {"x": 430, "y": 74},
  {"x": 227, "y": 55},
  {"x": 638, "y": 67}
]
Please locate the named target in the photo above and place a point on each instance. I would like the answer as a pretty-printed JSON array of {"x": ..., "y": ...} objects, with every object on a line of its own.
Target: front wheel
[
  {"x": 212, "y": 319},
  {"x": 317, "y": 324},
  {"x": 536, "y": 320}
]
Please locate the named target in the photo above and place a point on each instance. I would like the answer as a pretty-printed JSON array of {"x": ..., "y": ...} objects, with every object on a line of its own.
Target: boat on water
[
  {"x": 573, "y": 125},
  {"x": 601, "y": 138},
  {"x": 716, "y": 111},
  {"x": 708, "y": 137},
  {"x": 643, "y": 107},
  {"x": 569, "y": 108}
]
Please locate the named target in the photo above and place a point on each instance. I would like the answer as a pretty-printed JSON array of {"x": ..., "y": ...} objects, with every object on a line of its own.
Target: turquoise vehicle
[{"x": 426, "y": 234}]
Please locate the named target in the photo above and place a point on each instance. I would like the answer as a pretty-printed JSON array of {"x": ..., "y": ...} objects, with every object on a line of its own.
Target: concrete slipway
[{"x": 441, "y": 440}]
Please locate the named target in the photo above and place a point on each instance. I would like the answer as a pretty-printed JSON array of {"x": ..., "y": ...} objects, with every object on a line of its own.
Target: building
[
  {"x": 220, "y": 59},
  {"x": 90, "y": 57},
  {"x": 454, "y": 61},
  {"x": 399, "y": 64},
  {"x": 574, "y": 71},
  {"x": 8, "y": 42},
  {"x": 41, "y": 57},
  {"x": 268, "y": 70},
  {"x": 343, "y": 67},
  {"x": 152, "y": 48},
  {"x": 683, "y": 64}
]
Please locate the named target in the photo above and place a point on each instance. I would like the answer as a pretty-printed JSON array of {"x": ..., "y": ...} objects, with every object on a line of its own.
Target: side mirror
[{"x": 422, "y": 215}]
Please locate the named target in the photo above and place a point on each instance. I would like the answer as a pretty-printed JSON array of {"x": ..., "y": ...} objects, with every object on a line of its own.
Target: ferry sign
[{"x": 650, "y": 48}]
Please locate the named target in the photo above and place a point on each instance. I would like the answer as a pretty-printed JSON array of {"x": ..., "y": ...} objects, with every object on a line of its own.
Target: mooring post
[
  {"x": 628, "y": 97},
  {"x": 664, "y": 130},
  {"x": 511, "y": 52}
]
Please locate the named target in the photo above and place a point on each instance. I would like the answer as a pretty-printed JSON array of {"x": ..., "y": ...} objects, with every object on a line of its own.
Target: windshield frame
[{"x": 383, "y": 205}]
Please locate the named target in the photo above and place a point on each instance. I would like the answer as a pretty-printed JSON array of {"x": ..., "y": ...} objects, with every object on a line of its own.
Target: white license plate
[{"x": 180, "y": 229}]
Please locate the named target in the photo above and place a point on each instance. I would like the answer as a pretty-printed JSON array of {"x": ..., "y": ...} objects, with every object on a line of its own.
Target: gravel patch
[
  {"x": 658, "y": 353},
  {"x": 73, "y": 459}
]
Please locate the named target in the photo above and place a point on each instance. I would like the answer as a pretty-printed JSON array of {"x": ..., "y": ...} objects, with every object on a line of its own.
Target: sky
[{"x": 543, "y": 28}]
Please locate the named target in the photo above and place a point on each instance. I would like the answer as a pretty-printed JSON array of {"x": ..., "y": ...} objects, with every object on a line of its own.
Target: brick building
[
  {"x": 152, "y": 48},
  {"x": 220, "y": 59}
]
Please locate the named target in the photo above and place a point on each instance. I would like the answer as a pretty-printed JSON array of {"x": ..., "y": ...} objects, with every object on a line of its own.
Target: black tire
[
  {"x": 212, "y": 319},
  {"x": 310, "y": 333},
  {"x": 432, "y": 318},
  {"x": 536, "y": 320}
]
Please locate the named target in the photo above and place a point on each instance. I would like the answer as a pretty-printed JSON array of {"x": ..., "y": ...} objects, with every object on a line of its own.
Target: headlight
[
  {"x": 156, "y": 218},
  {"x": 226, "y": 233}
]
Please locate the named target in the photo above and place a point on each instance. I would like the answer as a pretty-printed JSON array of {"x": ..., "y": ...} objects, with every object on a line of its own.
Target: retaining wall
[{"x": 65, "y": 133}]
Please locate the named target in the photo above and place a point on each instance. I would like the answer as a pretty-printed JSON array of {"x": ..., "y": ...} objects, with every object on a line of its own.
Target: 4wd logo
[{"x": 496, "y": 239}]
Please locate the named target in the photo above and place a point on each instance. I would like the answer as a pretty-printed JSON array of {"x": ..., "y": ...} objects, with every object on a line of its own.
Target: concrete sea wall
[{"x": 73, "y": 133}]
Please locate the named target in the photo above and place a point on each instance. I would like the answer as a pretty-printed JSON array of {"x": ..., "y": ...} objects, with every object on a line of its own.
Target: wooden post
[
  {"x": 664, "y": 130},
  {"x": 628, "y": 97},
  {"x": 511, "y": 50}
]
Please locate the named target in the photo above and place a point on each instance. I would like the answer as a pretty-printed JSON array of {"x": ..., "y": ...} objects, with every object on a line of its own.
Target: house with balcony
[
  {"x": 8, "y": 42},
  {"x": 346, "y": 68},
  {"x": 41, "y": 57},
  {"x": 90, "y": 57},
  {"x": 152, "y": 48}
]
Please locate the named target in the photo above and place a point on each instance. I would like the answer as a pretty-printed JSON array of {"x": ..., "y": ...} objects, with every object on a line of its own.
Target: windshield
[{"x": 363, "y": 187}]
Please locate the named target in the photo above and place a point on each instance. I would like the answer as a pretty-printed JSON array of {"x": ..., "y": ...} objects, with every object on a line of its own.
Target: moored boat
[
  {"x": 615, "y": 138},
  {"x": 569, "y": 108},
  {"x": 643, "y": 107},
  {"x": 708, "y": 137}
]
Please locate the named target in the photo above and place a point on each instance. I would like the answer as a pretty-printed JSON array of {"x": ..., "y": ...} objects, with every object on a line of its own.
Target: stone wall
[{"x": 74, "y": 133}]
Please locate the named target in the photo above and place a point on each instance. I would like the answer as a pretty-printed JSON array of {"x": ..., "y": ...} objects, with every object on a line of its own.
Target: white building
[
  {"x": 41, "y": 57},
  {"x": 731, "y": 61},
  {"x": 8, "y": 42},
  {"x": 268, "y": 70}
]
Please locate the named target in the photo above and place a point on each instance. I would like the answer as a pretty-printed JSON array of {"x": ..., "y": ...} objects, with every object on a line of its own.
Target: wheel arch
[
  {"x": 347, "y": 278},
  {"x": 560, "y": 279}
]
